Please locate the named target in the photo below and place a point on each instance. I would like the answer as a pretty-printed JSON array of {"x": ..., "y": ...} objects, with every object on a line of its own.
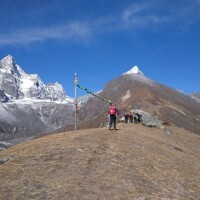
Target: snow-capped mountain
[
  {"x": 83, "y": 99},
  {"x": 137, "y": 75},
  {"x": 28, "y": 107},
  {"x": 134, "y": 91},
  {"x": 18, "y": 85}
]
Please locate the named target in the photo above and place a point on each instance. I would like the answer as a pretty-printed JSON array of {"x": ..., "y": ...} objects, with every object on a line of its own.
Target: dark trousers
[
  {"x": 126, "y": 119},
  {"x": 131, "y": 119},
  {"x": 112, "y": 121},
  {"x": 135, "y": 119}
]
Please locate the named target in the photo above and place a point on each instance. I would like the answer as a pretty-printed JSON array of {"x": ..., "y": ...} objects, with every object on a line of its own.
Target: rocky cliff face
[
  {"x": 3, "y": 97},
  {"x": 195, "y": 96},
  {"x": 56, "y": 92},
  {"x": 10, "y": 77}
]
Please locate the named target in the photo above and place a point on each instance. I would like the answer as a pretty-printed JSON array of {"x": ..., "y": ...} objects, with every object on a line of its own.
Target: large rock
[{"x": 148, "y": 119}]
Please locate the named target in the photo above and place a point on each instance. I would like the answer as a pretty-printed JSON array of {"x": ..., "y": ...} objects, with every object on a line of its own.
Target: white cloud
[
  {"x": 72, "y": 31},
  {"x": 133, "y": 10},
  {"x": 164, "y": 12},
  {"x": 135, "y": 16}
]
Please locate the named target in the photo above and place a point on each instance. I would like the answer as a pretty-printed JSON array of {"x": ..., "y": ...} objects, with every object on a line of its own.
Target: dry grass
[{"x": 134, "y": 162}]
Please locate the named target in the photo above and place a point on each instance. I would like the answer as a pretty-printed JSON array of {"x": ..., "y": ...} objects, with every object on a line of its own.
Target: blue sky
[{"x": 101, "y": 39}]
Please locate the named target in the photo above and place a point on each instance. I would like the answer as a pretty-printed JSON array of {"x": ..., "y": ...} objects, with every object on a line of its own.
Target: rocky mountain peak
[
  {"x": 134, "y": 70},
  {"x": 18, "y": 84},
  {"x": 8, "y": 61},
  {"x": 9, "y": 65},
  {"x": 56, "y": 91}
]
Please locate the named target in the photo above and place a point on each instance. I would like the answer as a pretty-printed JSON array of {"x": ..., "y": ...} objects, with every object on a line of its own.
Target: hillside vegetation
[{"x": 134, "y": 162}]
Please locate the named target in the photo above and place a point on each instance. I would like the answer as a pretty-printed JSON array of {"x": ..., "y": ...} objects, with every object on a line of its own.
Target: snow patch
[
  {"x": 195, "y": 96},
  {"x": 128, "y": 94},
  {"x": 134, "y": 70},
  {"x": 69, "y": 99},
  {"x": 33, "y": 101},
  {"x": 26, "y": 84},
  {"x": 99, "y": 92}
]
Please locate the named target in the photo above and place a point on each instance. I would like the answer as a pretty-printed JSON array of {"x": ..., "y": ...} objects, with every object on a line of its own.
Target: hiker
[
  {"x": 131, "y": 117},
  {"x": 135, "y": 118},
  {"x": 113, "y": 112},
  {"x": 139, "y": 118},
  {"x": 126, "y": 115}
]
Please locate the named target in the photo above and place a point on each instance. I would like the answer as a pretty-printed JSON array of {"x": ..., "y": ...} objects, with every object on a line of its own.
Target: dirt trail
[{"x": 134, "y": 162}]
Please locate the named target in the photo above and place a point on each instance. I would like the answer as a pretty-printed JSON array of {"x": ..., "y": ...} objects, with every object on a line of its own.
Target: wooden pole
[{"x": 75, "y": 100}]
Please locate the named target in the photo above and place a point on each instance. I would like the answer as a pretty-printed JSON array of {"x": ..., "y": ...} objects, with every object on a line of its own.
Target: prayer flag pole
[{"x": 75, "y": 98}]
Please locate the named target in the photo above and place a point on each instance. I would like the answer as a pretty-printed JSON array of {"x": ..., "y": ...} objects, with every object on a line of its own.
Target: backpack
[
  {"x": 126, "y": 115},
  {"x": 112, "y": 111}
]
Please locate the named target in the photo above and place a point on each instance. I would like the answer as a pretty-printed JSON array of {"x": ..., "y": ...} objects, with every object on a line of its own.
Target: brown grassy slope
[{"x": 134, "y": 162}]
